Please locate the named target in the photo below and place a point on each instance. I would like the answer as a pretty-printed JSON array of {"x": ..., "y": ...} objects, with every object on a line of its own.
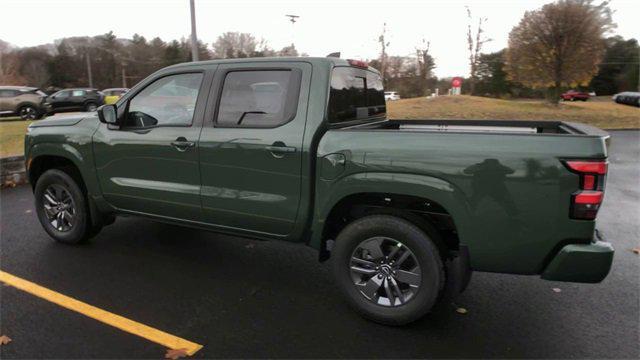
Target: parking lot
[{"x": 241, "y": 298}]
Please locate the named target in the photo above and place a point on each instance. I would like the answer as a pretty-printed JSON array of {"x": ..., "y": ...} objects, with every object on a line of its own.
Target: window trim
[
  {"x": 292, "y": 98},
  {"x": 134, "y": 94}
]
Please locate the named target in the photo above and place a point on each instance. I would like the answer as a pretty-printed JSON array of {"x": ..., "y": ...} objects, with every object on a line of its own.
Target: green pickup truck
[{"x": 301, "y": 150}]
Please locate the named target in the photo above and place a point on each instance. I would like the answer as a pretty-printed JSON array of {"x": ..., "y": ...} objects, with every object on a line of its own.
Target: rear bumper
[{"x": 585, "y": 263}]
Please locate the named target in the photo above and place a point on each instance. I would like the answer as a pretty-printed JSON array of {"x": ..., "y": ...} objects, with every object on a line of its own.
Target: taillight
[{"x": 586, "y": 201}]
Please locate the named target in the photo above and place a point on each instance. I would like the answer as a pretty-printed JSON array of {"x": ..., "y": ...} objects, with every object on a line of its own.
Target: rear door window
[
  {"x": 355, "y": 95},
  {"x": 262, "y": 99}
]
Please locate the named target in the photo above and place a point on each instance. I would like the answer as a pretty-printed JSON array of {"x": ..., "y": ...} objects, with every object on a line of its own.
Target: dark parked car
[
  {"x": 81, "y": 99},
  {"x": 26, "y": 102},
  {"x": 573, "y": 95},
  {"x": 628, "y": 98}
]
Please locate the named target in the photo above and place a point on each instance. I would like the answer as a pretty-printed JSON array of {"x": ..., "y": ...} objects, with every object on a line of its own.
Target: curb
[{"x": 12, "y": 171}]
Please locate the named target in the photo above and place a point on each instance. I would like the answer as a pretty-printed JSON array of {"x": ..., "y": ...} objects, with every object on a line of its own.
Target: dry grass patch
[
  {"x": 12, "y": 137},
  {"x": 605, "y": 115}
]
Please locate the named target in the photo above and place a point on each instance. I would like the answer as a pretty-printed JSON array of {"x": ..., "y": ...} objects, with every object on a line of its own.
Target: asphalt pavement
[{"x": 246, "y": 299}]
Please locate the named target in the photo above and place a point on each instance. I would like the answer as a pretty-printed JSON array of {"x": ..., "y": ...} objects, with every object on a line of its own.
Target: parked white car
[{"x": 391, "y": 95}]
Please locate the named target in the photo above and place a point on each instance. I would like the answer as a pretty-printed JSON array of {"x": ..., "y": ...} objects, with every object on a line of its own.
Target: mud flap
[{"x": 458, "y": 274}]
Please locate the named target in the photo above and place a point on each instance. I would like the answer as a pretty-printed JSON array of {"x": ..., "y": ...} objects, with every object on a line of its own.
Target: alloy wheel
[
  {"x": 59, "y": 207},
  {"x": 28, "y": 113},
  {"x": 385, "y": 271}
]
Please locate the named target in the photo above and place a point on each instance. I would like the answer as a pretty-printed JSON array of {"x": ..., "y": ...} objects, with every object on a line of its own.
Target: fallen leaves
[
  {"x": 461, "y": 310},
  {"x": 636, "y": 251},
  {"x": 174, "y": 354},
  {"x": 4, "y": 340}
]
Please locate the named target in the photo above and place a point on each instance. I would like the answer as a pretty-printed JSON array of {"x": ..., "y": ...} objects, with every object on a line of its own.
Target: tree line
[
  {"x": 564, "y": 44},
  {"x": 107, "y": 61}
]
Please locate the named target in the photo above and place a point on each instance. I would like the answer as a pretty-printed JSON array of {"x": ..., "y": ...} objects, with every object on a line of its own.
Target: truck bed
[
  {"x": 489, "y": 126},
  {"x": 507, "y": 177}
]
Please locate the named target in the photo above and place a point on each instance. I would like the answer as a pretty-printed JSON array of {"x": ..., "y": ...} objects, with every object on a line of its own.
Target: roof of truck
[{"x": 326, "y": 61}]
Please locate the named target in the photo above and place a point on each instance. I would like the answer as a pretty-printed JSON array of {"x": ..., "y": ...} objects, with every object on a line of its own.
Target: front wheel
[
  {"x": 389, "y": 270},
  {"x": 62, "y": 208}
]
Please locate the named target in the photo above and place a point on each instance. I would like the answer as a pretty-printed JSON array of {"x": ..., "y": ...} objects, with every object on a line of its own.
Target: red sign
[{"x": 456, "y": 82}]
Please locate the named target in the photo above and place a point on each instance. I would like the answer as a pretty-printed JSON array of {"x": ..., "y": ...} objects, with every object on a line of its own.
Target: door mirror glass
[{"x": 108, "y": 114}]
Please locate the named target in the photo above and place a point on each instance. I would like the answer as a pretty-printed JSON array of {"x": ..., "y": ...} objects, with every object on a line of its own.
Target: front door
[
  {"x": 150, "y": 163},
  {"x": 251, "y": 146},
  {"x": 60, "y": 101}
]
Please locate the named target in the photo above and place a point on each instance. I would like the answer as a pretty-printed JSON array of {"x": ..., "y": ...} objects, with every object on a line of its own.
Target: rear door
[
  {"x": 60, "y": 100},
  {"x": 149, "y": 164},
  {"x": 76, "y": 101},
  {"x": 251, "y": 146}
]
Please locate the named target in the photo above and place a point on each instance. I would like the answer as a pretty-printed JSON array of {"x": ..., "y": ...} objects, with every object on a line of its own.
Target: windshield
[{"x": 356, "y": 94}]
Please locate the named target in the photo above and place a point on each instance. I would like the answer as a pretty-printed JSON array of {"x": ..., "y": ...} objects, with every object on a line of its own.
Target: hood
[{"x": 61, "y": 120}]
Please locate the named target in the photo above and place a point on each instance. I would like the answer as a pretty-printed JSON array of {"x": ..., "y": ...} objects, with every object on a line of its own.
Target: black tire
[
  {"x": 79, "y": 229},
  {"x": 411, "y": 237},
  {"x": 90, "y": 107},
  {"x": 29, "y": 112}
]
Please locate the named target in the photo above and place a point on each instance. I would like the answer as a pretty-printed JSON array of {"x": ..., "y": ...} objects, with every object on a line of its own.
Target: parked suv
[
  {"x": 81, "y": 99},
  {"x": 26, "y": 102},
  {"x": 111, "y": 96}
]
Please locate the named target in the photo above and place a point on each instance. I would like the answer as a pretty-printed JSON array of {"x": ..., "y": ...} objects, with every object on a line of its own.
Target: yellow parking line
[{"x": 130, "y": 326}]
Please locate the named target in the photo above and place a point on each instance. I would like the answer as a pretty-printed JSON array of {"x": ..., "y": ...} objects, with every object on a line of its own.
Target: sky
[{"x": 325, "y": 26}]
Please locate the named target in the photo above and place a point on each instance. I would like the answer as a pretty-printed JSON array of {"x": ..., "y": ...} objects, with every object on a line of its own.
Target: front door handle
[
  {"x": 181, "y": 144},
  {"x": 278, "y": 149}
]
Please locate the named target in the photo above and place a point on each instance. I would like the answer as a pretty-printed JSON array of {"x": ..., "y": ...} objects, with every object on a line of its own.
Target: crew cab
[{"x": 301, "y": 150}]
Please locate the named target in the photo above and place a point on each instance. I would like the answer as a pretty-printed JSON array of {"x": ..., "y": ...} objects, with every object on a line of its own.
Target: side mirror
[{"x": 108, "y": 114}]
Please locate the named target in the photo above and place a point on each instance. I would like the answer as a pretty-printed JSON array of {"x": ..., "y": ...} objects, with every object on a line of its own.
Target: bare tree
[
  {"x": 383, "y": 52},
  {"x": 475, "y": 42},
  {"x": 426, "y": 64},
  {"x": 560, "y": 44}
]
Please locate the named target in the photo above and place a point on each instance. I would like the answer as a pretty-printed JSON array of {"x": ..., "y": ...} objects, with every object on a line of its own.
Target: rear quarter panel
[{"x": 508, "y": 194}]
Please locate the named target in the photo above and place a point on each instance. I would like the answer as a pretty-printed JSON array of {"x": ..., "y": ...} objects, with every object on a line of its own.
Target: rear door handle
[
  {"x": 182, "y": 144},
  {"x": 281, "y": 149}
]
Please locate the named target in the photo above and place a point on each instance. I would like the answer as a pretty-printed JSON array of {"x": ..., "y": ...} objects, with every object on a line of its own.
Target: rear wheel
[
  {"x": 62, "y": 208},
  {"x": 90, "y": 107},
  {"x": 389, "y": 270}
]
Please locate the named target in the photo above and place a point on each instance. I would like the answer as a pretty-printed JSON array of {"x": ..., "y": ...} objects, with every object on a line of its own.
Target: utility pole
[
  {"x": 293, "y": 19},
  {"x": 383, "y": 55},
  {"x": 89, "y": 74},
  {"x": 124, "y": 76},
  {"x": 194, "y": 37}
]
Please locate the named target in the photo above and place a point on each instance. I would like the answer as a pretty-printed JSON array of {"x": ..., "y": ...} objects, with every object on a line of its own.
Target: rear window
[{"x": 355, "y": 95}]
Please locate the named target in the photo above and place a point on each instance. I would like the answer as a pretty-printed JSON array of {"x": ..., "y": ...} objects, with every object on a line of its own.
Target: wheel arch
[
  {"x": 26, "y": 103},
  {"x": 431, "y": 203}
]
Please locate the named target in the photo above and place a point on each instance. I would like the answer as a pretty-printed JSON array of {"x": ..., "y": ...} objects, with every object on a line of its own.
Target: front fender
[
  {"x": 78, "y": 158},
  {"x": 447, "y": 195}
]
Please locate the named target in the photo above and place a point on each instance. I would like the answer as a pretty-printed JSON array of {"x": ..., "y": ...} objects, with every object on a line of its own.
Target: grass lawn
[
  {"x": 12, "y": 137},
  {"x": 603, "y": 114}
]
